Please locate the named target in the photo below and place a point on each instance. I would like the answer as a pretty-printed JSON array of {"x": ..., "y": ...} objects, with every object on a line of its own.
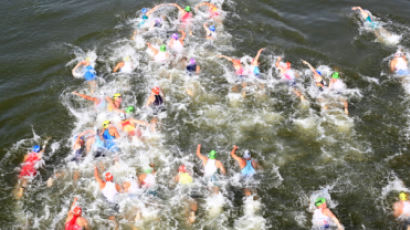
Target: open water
[{"x": 358, "y": 162}]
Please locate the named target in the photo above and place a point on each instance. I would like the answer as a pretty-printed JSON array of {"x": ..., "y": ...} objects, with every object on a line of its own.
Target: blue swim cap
[
  {"x": 318, "y": 72},
  {"x": 36, "y": 148},
  {"x": 145, "y": 17},
  {"x": 212, "y": 28},
  {"x": 144, "y": 10}
]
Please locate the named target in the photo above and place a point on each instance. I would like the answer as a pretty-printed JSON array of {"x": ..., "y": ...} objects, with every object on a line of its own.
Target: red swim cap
[
  {"x": 288, "y": 65},
  {"x": 155, "y": 90},
  {"x": 109, "y": 177},
  {"x": 77, "y": 211},
  {"x": 182, "y": 168}
]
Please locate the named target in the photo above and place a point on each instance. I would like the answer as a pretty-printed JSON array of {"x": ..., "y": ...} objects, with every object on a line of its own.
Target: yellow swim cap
[
  {"x": 117, "y": 95},
  {"x": 88, "y": 59},
  {"x": 106, "y": 123},
  {"x": 403, "y": 196},
  {"x": 127, "y": 58}
]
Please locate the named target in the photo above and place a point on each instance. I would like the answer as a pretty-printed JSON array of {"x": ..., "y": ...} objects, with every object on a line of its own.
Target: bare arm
[
  {"x": 221, "y": 167},
  {"x": 397, "y": 209},
  {"x": 309, "y": 65},
  {"x": 198, "y": 68},
  {"x": 183, "y": 36},
  {"x": 153, "y": 49},
  {"x": 118, "y": 188},
  {"x": 277, "y": 63},
  {"x": 150, "y": 100},
  {"x": 177, "y": 6},
  {"x": 118, "y": 66},
  {"x": 205, "y": 25},
  {"x": 40, "y": 154},
  {"x": 203, "y": 158},
  {"x": 139, "y": 122},
  {"x": 334, "y": 219},
  {"x": 226, "y": 57},
  {"x": 234, "y": 156},
  {"x": 155, "y": 8},
  {"x": 76, "y": 66},
  {"x": 256, "y": 59},
  {"x": 86, "y": 97},
  {"x": 97, "y": 177}
]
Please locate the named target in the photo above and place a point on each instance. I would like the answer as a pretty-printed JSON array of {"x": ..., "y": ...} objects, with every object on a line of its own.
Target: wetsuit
[
  {"x": 405, "y": 215},
  {"x": 191, "y": 68},
  {"x": 108, "y": 139},
  {"x": 158, "y": 100},
  {"x": 321, "y": 220},
  {"x": 72, "y": 225},
  {"x": 89, "y": 74},
  {"x": 248, "y": 170},
  {"x": 401, "y": 67},
  {"x": 29, "y": 165},
  {"x": 109, "y": 191}
]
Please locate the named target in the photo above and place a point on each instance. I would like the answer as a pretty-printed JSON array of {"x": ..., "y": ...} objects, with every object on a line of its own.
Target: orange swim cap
[
  {"x": 77, "y": 211},
  {"x": 155, "y": 90},
  {"x": 109, "y": 177}
]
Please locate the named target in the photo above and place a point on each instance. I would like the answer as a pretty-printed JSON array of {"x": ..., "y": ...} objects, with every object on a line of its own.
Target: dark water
[{"x": 358, "y": 163}]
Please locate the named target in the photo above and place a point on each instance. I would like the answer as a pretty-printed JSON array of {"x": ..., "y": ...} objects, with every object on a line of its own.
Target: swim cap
[
  {"x": 187, "y": 8},
  {"x": 192, "y": 61},
  {"x": 130, "y": 109},
  {"x": 109, "y": 177},
  {"x": 288, "y": 65},
  {"x": 318, "y": 72},
  {"x": 106, "y": 123},
  {"x": 175, "y": 36},
  {"x": 145, "y": 17},
  {"x": 163, "y": 48},
  {"x": 126, "y": 58},
  {"x": 36, "y": 148},
  {"x": 247, "y": 154},
  {"x": 144, "y": 10},
  {"x": 117, "y": 95},
  {"x": 148, "y": 170},
  {"x": 214, "y": 9},
  {"x": 403, "y": 196},
  {"x": 182, "y": 168},
  {"x": 212, "y": 28},
  {"x": 77, "y": 211},
  {"x": 335, "y": 75},
  {"x": 319, "y": 201},
  {"x": 212, "y": 154},
  {"x": 155, "y": 90},
  {"x": 88, "y": 59}
]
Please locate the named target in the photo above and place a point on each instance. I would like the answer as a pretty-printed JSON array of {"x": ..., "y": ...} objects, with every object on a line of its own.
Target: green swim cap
[
  {"x": 162, "y": 48},
  {"x": 130, "y": 109},
  {"x": 148, "y": 170},
  {"x": 212, "y": 154},
  {"x": 187, "y": 8},
  {"x": 319, "y": 201},
  {"x": 335, "y": 75}
]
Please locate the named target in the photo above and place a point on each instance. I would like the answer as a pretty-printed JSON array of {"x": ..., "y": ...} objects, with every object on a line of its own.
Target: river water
[{"x": 358, "y": 162}]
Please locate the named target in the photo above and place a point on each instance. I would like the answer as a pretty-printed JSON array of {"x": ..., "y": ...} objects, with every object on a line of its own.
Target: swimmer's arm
[
  {"x": 183, "y": 36},
  {"x": 397, "y": 209},
  {"x": 85, "y": 224},
  {"x": 40, "y": 154},
  {"x": 202, "y": 4},
  {"x": 154, "y": 9},
  {"x": 199, "y": 155},
  {"x": 150, "y": 100},
  {"x": 221, "y": 167},
  {"x": 226, "y": 57},
  {"x": 198, "y": 69},
  {"x": 153, "y": 49},
  {"x": 73, "y": 204},
  {"x": 256, "y": 59},
  {"x": 277, "y": 63},
  {"x": 118, "y": 188},
  {"x": 334, "y": 219},
  {"x": 86, "y": 97},
  {"x": 76, "y": 67},
  {"x": 116, "y": 134},
  {"x": 309, "y": 65},
  {"x": 177, "y": 6},
  {"x": 234, "y": 156},
  {"x": 98, "y": 179},
  {"x": 118, "y": 66},
  {"x": 139, "y": 122},
  {"x": 205, "y": 25}
]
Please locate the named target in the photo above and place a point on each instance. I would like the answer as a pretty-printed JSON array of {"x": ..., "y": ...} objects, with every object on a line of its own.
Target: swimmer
[
  {"x": 365, "y": 14},
  {"x": 160, "y": 55},
  {"x": 177, "y": 43},
  {"x": 191, "y": 66},
  {"x": 246, "y": 163},
  {"x": 210, "y": 31},
  {"x": 108, "y": 188},
  {"x": 317, "y": 76},
  {"x": 255, "y": 71},
  {"x": 89, "y": 75},
  {"x": 156, "y": 98},
  {"x": 129, "y": 125},
  {"x": 239, "y": 71},
  {"x": 336, "y": 85},
  {"x": 213, "y": 11},
  {"x": 185, "y": 17},
  {"x": 148, "y": 179},
  {"x": 183, "y": 177},
  {"x": 29, "y": 167},
  {"x": 124, "y": 66},
  {"x": 323, "y": 218},
  {"x": 81, "y": 145},
  {"x": 109, "y": 133},
  {"x": 401, "y": 210},
  {"x": 211, "y": 165},
  {"x": 288, "y": 75},
  {"x": 74, "y": 220},
  {"x": 111, "y": 104},
  {"x": 399, "y": 64}
]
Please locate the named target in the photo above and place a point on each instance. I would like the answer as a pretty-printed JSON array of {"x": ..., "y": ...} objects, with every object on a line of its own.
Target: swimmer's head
[
  {"x": 182, "y": 168},
  {"x": 144, "y": 10},
  {"x": 77, "y": 211},
  {"x": 318, "y": 72},
  {"x": 319, "y": 201},
  {"x": 126, "y": 58},
  {"x": 212, "y": 154},
  {"x": 335, "y": 75},
  {"x": 187, "y": 9},
  {"x": 148, "y": 170},
  {"x": 162, "y": 48},
  {"x": 155, "y": 90},
  {"x": 247, "y": 154},
  {"x": 403, "y": 196},
  {"x": 288, "y": 65},
  {"x": 117, "y": 95},
  {"x": 36, "y": 148},
  {"x": 175, "y": 36},
  {"x": 109, "y": 177},
  {"x": 192, "y": 61},
  {"x": 145, "y": 17},
  {"x": 214, "y": 8},
  {"x": 106, "y": 123},
  {"x": 87, "y": 59},
  {"x": 130, "y": 109},
  {"x": 236, "y": 61},
  {"x": 212, "y": 28}
]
